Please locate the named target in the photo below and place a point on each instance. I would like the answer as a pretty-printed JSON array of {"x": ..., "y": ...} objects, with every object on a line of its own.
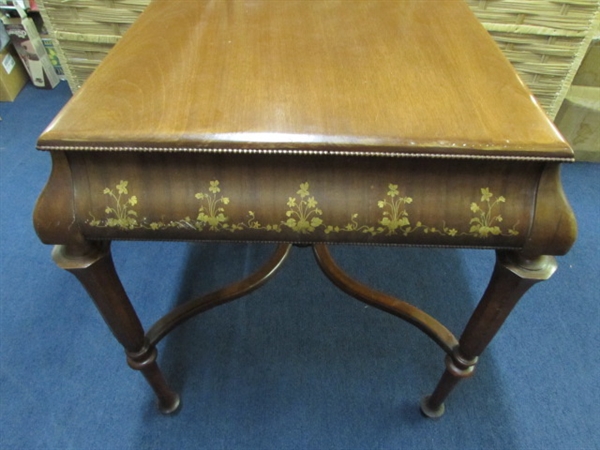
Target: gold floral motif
[
  {"x": 210, "y": 213},
  {"x": 122, "y": 216},
  {"x": 304, "y": 216},
  {"x": 444, "y": 230},
  {"x": 352, "y": 226},
  {"x": 254, "y": 224},
  {"x": 485, "y": 222},
  {"x": 395, "y": 216}
]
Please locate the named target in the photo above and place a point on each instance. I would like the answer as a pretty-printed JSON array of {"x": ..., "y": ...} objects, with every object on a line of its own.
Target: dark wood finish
[
  {"x": 405, "y": 311},
  {"x": 93, "y": 266},
  {"x": 192, "y": 308},
  {"x": 348, "y": 193},
  {"x": 312, "y": 122},
  {"x": 370, "y": 76},
  {"x": 513, "y": 276}
]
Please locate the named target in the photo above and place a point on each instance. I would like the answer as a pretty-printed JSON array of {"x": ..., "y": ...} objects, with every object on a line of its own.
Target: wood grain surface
[{"x": 382, "y": 78}]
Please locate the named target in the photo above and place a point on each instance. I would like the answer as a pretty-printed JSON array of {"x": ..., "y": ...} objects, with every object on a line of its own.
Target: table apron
[{"x": 403, "y": 201}]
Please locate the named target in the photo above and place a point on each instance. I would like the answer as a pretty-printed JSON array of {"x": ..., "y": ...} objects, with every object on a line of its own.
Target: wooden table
[{"x": 306, "y": 122}]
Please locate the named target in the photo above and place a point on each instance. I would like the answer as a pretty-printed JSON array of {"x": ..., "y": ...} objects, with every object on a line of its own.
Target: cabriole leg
[
  {"x": 92, "y": 264},
  {"x": 513, "y": 275}
]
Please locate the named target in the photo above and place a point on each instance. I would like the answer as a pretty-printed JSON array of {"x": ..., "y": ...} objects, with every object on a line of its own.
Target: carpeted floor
[{"x": 297, "y": 364}]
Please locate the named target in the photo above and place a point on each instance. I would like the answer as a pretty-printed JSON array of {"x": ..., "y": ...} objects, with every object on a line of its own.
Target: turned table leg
[
  {"x": 513, "y": 275},
  {"x": 92, "y": 264}
]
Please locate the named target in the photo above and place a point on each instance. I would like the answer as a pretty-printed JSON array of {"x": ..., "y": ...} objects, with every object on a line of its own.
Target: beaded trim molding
[{"x": 251, "y": 151}]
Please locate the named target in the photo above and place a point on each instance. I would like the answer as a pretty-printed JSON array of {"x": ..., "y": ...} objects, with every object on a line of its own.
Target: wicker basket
[
  {"x": 544, "y": 39},
  {"x": 84, "y": 31}
]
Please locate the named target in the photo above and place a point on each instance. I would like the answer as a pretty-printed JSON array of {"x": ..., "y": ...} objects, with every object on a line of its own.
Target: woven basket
[
  {"x": 545, "y": 40},
  {"x": 84, "y": 31}
]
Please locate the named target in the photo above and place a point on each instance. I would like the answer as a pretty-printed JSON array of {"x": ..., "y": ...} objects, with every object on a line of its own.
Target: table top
[{"x": 381, "y": 78}]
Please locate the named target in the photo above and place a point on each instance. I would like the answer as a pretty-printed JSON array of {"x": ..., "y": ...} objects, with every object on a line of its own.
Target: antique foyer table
[{"x": 306, "y": 122}]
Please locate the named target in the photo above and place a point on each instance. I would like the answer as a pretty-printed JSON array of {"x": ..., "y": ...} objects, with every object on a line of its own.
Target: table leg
[
  {"x": 92, "y": 264},
  {"x": 513, "y": 275}
]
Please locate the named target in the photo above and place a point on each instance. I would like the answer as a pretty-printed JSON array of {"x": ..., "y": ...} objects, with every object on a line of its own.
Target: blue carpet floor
[{"x": 297, "y": 364}]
